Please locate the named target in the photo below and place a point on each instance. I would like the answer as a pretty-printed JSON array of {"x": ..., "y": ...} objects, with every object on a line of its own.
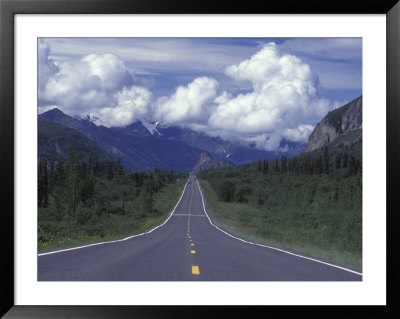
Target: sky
[{"x": 254, "y": 91}]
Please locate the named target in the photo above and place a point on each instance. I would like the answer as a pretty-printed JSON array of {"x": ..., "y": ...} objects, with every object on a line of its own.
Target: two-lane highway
[{"x": 186, "y": 247}]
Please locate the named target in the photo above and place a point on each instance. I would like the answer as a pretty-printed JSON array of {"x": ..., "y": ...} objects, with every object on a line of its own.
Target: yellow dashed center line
[{"x": 195, "y": 270}]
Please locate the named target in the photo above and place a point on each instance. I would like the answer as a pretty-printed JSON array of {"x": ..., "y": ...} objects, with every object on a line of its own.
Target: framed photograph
[{"x": 207, "y": 134}]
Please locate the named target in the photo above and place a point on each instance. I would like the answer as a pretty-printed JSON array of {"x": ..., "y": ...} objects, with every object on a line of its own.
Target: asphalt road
[{"x": 186, "y": 247}]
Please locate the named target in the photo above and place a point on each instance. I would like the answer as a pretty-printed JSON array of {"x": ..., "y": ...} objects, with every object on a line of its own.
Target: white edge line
[
  {"x": 281, "y": 250},
  {"x": 123, "y": 239}
]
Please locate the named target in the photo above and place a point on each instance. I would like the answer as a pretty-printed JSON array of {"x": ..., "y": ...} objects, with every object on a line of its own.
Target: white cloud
[
  {"x": 88, "y": 83},
  {"x": 298, "y": 134},
  {"x": 336, "y": 60},
  {"x": 264, "y": 141},
  {"x": 132, "y": 104},
  {"x": 112, "y": 71},
  {"x": 189, "y": 104},
  {"x": 284, "y": 97},
  {"x": 98, "y": 84},
  {"x": 223, "y": 98},
  {"x": 47, "y": 67}
]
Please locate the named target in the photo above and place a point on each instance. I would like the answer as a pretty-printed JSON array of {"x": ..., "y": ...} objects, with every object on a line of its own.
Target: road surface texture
[{"x": 186, "y": 247}]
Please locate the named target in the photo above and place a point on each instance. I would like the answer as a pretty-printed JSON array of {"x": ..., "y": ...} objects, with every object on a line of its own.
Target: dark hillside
[{"x": 55, "y": 141}]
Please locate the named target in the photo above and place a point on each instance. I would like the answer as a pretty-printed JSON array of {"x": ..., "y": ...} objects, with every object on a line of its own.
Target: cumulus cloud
[
  {"x": 47, "y": 67},
  {"x": 98, "y": 84},
  {"x": 283, "y": 100},
  {"x": 189, "y": 104},
  {"x": 223, "y": 98},
  {"x": 132, "y": 104},
  {"x": 298, "y": 134}
]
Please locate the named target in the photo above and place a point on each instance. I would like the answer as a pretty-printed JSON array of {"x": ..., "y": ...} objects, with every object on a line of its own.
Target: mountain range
[{"x": 144, "y": 145}]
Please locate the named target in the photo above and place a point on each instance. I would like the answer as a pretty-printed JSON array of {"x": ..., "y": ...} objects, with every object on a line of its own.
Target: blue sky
[{"x": 251, "y": 90}]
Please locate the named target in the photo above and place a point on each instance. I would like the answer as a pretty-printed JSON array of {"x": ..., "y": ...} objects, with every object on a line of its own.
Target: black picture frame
[{"x": 8, "y": 8}]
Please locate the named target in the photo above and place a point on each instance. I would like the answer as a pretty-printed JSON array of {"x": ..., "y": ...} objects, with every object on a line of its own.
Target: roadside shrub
[
  {"x": 261, "y": 196},
  {"x": 83, "y": 215},
  {"x": 242, "y": 193},
  {"x": 225, "y": 190}
]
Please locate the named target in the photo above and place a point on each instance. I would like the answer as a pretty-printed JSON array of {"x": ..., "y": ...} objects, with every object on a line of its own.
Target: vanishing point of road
[{"x": 186, "y": 247}]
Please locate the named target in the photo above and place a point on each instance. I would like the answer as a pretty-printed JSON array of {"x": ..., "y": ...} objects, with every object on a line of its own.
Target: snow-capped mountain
[
  {"x": 145, "y": 145},
  {"x": 91, "y": 118}
]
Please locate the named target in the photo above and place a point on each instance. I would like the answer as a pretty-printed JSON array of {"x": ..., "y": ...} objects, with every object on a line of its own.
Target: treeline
[
  {"x": 234, "y": 184},
  {"x": 76, "y": 198},
  {"x": 336, "y": 162}
]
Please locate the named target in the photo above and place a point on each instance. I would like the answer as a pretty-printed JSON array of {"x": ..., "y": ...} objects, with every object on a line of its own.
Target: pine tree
[
  {"x": 98, "y": 168},
  {"x": 90, "y": 168},
  {"x": 58, "y": 188},
  {"x": 40, "y": 183},
  {"x": 51, "y": 175},
  {"x": 108, "y": 202},
  {"x": 338, "y": 160},
  {"x": 325, "y": 161},
  {"x": 265, "y": 167},
  {"x": 309, "y": 169},
  {"x": 345, "y": 160},
  {"x": 318, "y": 165},
  {"x": 123, "y": 201},
  {"x": 352, "y": 165},
  {"x": 43, "y": 195},
  {"x": 358, "y": 170},
  {"x": 45, "y": 184},
  {"x": 295, "y": 165},
  {"x": 118, "y": 168},
  {"x": 84, "y": 169},
  {"x": 73, "y": 179},
  {"x": 110, "y": 171},
  {"x": 283, "y": 164}
]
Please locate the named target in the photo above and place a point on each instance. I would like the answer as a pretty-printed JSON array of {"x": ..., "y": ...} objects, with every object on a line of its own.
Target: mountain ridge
[
  {"x": 55, "y": 141},
  {"x": 207, "y": 162},
  {"x": 146, "y": 146},
  {"x": 138, "y": 154},
  {"x": 345, "y": 120}
]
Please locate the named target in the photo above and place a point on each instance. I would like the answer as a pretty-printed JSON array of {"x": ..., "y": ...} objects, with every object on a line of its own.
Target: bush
[
  {"x": 242, "y": 193},
  {"x": 83, "y": 215},
  {"x": 225, "y": 190},
  {"x": 261, "y": 196}
]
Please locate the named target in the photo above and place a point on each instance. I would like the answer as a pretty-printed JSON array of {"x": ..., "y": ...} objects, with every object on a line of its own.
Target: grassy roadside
[
  {"x": 119, "y": 226},
  {"x": 248, "y": 222}
]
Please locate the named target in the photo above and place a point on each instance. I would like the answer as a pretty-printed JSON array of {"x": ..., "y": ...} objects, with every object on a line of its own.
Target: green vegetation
[
  {"x": 55, "y": 140},
  {"x": 83, "y": 202},
  {"x": 311, "y": 203}
]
